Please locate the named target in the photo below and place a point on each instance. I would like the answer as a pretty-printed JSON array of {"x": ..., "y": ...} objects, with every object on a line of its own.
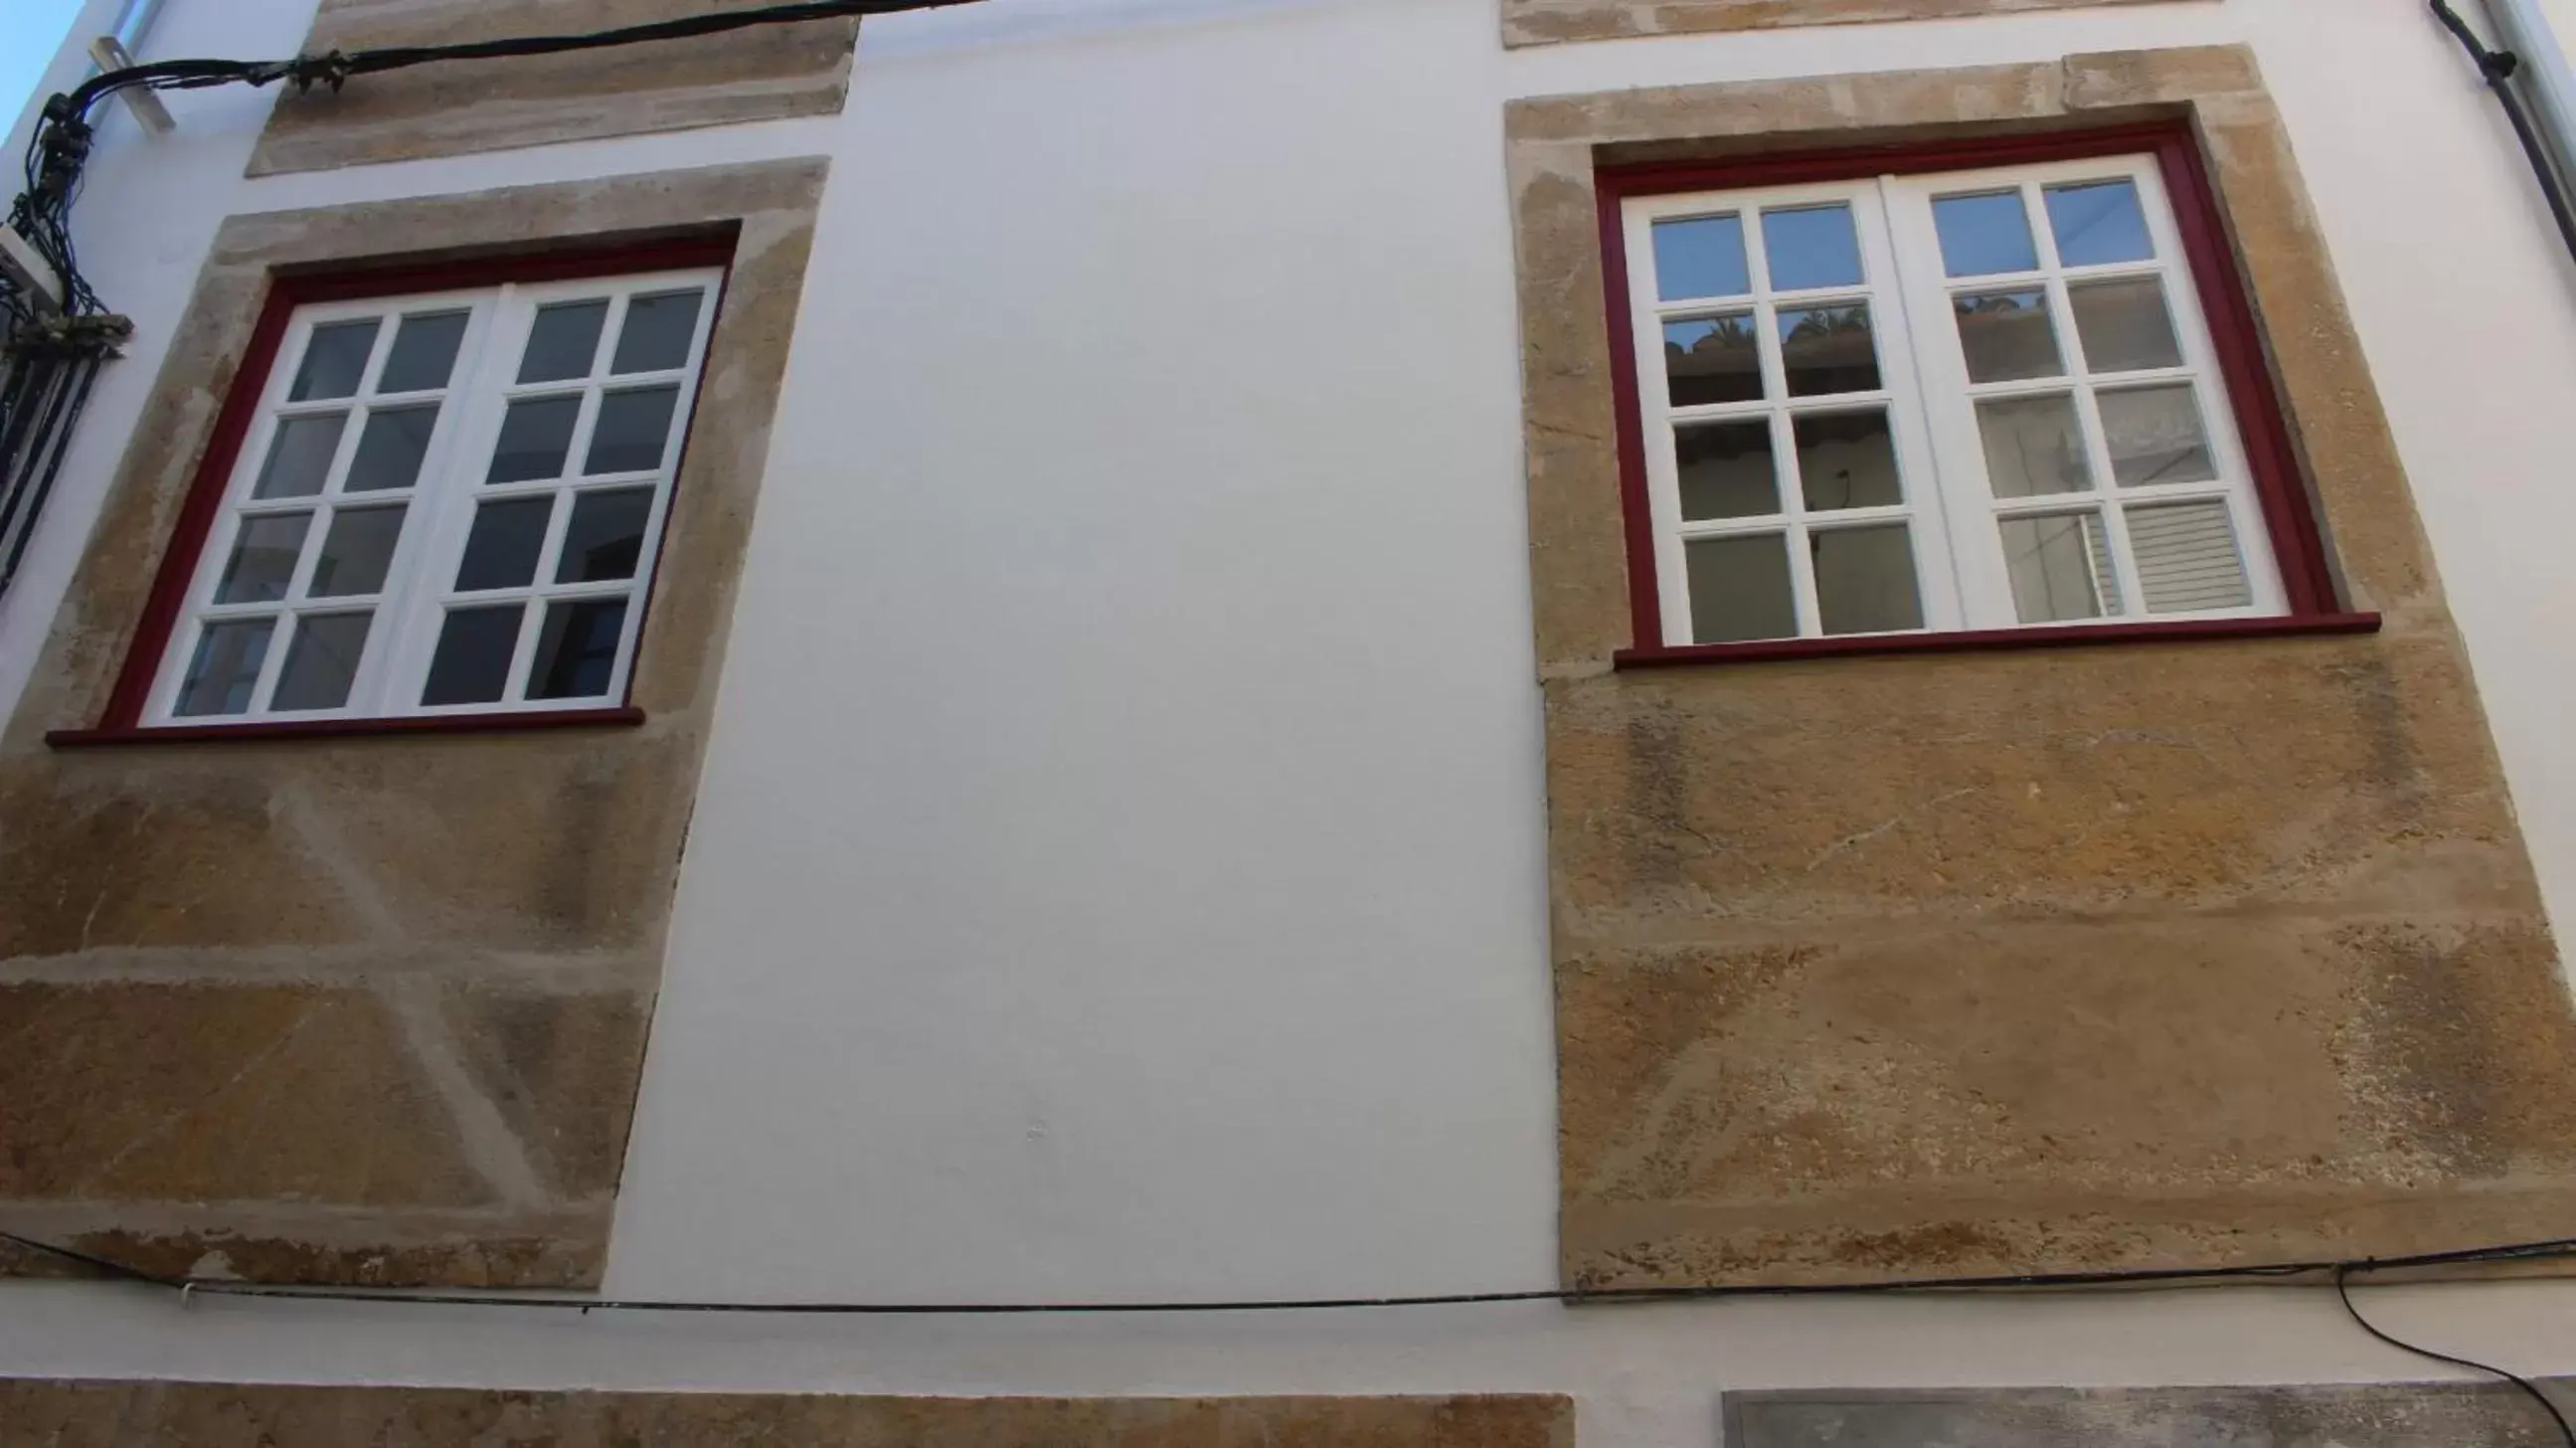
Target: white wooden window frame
[
  {"x": 1951, "y": 510},
  {"x": 418, "y": 591}
]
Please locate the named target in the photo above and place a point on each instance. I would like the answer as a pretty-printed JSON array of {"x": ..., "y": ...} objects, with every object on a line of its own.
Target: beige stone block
[
  {"x": 1549, "y": 22},
  {"x": 147, "y": 1093},
  {"x": 66, "y": 1414},
  {"x": 2347, "y": 772},
  {"x": 2012, "y": 1097},
  {"x": 499, "y": 1247},
  {"x": 759, "y": 73},
  {"x": 542, "y": 842}
]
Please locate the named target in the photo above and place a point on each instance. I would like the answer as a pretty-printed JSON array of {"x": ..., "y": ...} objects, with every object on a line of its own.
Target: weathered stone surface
[
  {"x": 758, "y": 73},
  {"x": 367, "y": 1009},
  {"x": 215, "y": 1415},
  {"x": 1975, "y": 964},
  {"x": 561, "y": 1071},
  {"x": 122, "y": 1092},
  {"x": 1548, "y": 22},
  {"x": 303, "y": 1132},
  {"x": 503, "y": 1245},
  {"x": 2393, "y": 1415}
]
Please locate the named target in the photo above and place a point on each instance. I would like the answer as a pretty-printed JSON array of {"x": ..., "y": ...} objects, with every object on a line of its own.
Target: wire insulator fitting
[{"x": 306, "y": 71}]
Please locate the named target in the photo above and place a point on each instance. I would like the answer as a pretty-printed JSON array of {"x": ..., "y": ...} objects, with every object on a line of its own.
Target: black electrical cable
[
  {"x": 2344, "y": 1291},
  {"x": 2556, "y": 1250},
  {"x": 336, "y": 67},
  {"x": 51, "y": 347},
  {"x": 2498, "y": 68}
]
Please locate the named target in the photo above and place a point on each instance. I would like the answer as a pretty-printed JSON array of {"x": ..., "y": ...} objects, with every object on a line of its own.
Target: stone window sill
[
  {"x": 350, "y": 728},
  {"x": 1998, "y": 640}
]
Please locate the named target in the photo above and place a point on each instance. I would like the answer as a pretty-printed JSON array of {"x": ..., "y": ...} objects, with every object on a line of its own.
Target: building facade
[{"x": 1139, "y": 654}]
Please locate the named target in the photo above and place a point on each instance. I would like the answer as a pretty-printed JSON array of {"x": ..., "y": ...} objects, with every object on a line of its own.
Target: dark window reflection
[{"x": 1711, "y": 360}]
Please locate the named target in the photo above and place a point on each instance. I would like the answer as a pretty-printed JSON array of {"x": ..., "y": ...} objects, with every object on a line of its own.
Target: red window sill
[
  {"x": 1996, "y": 640},
  {"x": 350, "y": 728}
]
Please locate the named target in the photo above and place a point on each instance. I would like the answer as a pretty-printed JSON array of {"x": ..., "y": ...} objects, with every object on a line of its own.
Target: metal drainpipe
[
  {"x": 2529, "y": 73},
  {"x": 2544, "y": 78}
]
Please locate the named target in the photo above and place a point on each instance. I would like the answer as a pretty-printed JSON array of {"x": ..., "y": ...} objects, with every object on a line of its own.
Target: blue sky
[{"x": 30, "y": 32}]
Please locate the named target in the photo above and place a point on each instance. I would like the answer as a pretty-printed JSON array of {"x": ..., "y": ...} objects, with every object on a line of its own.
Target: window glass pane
[
  {"x": 1847, "y": 460},
  {"x": 390, "y": 450},
  {"x": 424, "y": 353},
  {"x": 225, "y": 667},
  {"x": 1701, "y": 257},
  {"x": 501, "y": 551},
  {"x": 563, "y": 341},
  {"x": 657, "y": 332},
  {"x": 2061, "y": 568},
  {"x": 576, "y": 648},
  {"x": 1865, "y": 580},
  {"x": 472, "y": 664},
  {"x": 356, "y": 552},
  {"x": 632, "y": 428},
  {"x": 263, "y": 561},
  {"x": 2007, "y": 336},
  {"x": 2099, "y": 222},
  {"x": 2155, "y": 437},
  {"x": 2124, "y": 325},
  {"x": 536, "y": 433},
  {"x": 2187, "y": 558},
  {"x": 299, "y": 458},
  {"x": 605, "y": 535},
  {"x": 1984, "y": 235},
  {"x": 322, "y": 661},
  {"x": 1811, "y": 246},
  {"x": 1726, "y": 470},
  {"x": 1828, "y": 349},
  {"x": 1739, "y": 589},
  {"x": 334, "y": 361},
  {"x": 2034, "y": 445},
  {"x": 1711, "y": 360}
]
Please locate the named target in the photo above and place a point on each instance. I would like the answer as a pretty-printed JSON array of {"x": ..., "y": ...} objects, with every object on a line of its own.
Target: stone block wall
[
  {"x": 367, "y": 1009},
  {"x": 2183, "y": 955}
]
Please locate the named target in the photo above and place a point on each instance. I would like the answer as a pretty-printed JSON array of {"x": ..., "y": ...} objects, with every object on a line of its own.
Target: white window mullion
[
  {"x": 386, "y": 684},
  {"x": 1793, "y": 507},
  {"x": 1926, "y": 482},
  {"x": 1964, "y": 499},
  {"x": 443, "y": 506}
]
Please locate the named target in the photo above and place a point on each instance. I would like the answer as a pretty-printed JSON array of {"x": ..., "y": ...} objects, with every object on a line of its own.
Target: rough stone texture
[
  {"x": 759, "y": 73},
  {"x": 2139, "y": 957},
  {"x": 1549, "y": 22},
  {"x": 2394, "y": 1415},
  {"x": 366, "y": 1010},
  {"x": 214, "y": 1415}
]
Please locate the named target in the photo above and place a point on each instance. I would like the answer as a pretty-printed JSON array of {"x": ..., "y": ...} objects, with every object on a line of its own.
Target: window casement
[
  {"x": 441, "y": 503},
  {"x": 1875, "y": 403}
]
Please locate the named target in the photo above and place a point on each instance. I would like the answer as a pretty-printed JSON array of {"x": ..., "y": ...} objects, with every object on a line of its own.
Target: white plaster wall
[{"x": 1118, "y": 872}]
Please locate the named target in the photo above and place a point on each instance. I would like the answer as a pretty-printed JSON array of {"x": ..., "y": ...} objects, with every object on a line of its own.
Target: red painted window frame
[
  {"x": 2307, "y": 577},
  {"x": 122, "y": 722}
]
